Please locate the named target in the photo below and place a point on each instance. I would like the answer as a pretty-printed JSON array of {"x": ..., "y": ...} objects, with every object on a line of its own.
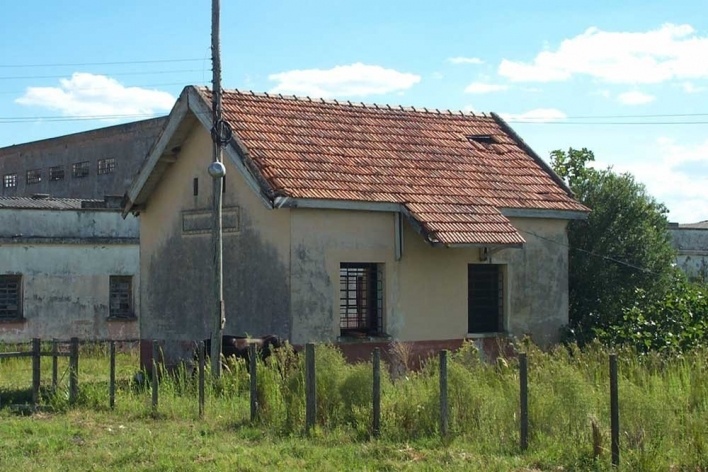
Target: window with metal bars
[
  {"x": 106, "y": 166},
  {"x": 485, "y": 291},
  {"x": 9, "y": 181},
  {"x": 56, "y": 173},
  {"x": 80, "y": 169},
  {"x": 10, "y": 297},
  {"x": 360, "y": 299},
  {"x": 121, "y": 297},
  {"x": 34, "y": 176}
]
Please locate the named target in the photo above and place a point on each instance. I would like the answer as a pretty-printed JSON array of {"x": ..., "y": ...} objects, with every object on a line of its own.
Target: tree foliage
[{"x": 623, "y": 246}]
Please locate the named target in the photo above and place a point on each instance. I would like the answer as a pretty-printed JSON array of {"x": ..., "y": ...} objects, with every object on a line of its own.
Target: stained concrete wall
[
  {"x": 692, "y": 251},
  {"x": 65, "y": 274},
  {"x": 176, "y": 256},
  {"x": 128, "y": 144}
]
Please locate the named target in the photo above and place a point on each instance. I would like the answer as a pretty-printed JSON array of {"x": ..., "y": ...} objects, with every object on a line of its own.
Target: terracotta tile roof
[{"x": 452, "y": 183}]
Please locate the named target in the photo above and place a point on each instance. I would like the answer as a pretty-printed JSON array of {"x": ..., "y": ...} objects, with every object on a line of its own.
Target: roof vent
[
  {"x": 40, "y": 196},
  {"x": 485, "y": 139}
]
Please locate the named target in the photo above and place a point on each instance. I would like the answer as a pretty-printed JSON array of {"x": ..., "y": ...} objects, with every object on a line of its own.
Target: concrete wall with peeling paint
[
  {"x": 65, "y": 259},
  {"x": 691, "y": 251}
]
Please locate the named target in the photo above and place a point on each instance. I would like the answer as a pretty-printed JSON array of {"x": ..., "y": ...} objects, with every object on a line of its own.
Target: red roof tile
[{"x": 453, "y": 186}]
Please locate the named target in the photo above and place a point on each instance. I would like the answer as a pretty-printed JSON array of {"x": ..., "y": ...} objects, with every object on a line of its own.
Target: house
[
  {"x": 691, "y": 244},
  {"x": 68, "y": 267},
  {"x": 350, "y": 224},
  {"x": 86, "y": 165}
]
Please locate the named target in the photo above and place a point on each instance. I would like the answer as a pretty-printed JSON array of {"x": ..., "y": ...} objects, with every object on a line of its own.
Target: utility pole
[{"x": 221, "y": 135}]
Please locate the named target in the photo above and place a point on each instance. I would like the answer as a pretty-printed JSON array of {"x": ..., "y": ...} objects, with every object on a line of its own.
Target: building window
[
  {"x": 485, "y": 292},
  {"x": 9, "y": 181},
  {"x": 121, "y": 297},
  {"x": 56, "y": 173},
  {"x": 80, "y": 169},
  {"x": 360, "y": 299},
  {"x": 106, "y": 166},
  {"x": 34, "y": 176},
  {"x": 10, "y": 297}
]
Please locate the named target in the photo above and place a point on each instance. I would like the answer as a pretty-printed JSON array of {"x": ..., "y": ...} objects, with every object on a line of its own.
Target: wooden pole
[
  {"x": 614, "y": 410},
  {"x": 155, "y": 374},
  {"x": 36, "y": 370},
  {"x": 376, "y": 394},
  {"x": 252, "y": 353},
  {"x": 443, "y": 394},
  {"x": 524, "y": 401},
  {"x": 202, "y": 355},
  {"x": 74, "y": 371},
  {"x": 219, "y": 314},
  {"x": 310, "y": 388},
  {"x": 112, "y": 376},
  {"x": 55, "y": 366}
]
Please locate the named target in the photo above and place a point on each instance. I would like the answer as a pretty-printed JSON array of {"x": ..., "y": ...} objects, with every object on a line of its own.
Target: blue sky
[{"x": 628, "y": 79}]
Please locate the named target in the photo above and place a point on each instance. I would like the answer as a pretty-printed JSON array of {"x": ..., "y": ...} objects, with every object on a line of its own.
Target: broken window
[
  {"x": 121, "y": 297},
  {"x": 9, "y": 181},
  {"x": 485, "y": 291},
  {"x": 56, "y": 173},
  {"x": 106, "y": 166},
  {"x": 34, "y": 176},
  {"x": 10, "y": 297},
  {"x": 360, "y": 299},
  {"x": 80, "y": 169}
]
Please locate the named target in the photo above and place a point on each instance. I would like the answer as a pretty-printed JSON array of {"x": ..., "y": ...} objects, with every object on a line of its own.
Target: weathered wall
[
  {"x": 692, "y": 251},
  {"x": 176, "y": 264},
  {"x": 15, "y": 222},
  {"x": 127, "y": 143},
  {"x": 426, "y": 291},
  {"x": 65, "y": 290}
]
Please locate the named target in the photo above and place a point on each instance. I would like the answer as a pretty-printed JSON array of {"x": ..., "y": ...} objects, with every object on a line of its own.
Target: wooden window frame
[
  {"x": 9, "y": 311},
  {"x": 361, "y": 295},
  {"x": 121, "y": 305}
]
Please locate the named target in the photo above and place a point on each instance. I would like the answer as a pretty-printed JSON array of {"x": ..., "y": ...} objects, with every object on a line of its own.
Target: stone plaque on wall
[{"x": 200, "y": 221}]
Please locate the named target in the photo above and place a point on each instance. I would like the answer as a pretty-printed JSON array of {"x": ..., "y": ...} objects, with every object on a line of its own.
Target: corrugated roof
[
  {"x": 453, "y": 183},
  {"x": 45, "y": 203}
]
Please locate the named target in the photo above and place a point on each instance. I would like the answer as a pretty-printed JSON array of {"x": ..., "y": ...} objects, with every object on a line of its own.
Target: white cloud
[
  {"x": 689, "y": 87},
  {"x": 350, "y": 80},
  {"x": 537, "y": 115},
  {"x": 87, "y": 94},
  {"x": 464, "y": 60},
  {"x": 482, "y": 87},
  {"x": 676, "y": 175},
  {"x": 635, "y": 98},
  {"x": 670, "y": 52}
]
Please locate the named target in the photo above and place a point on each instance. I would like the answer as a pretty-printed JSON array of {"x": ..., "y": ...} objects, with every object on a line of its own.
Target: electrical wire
[
  {"x": 31, "y": 77},
  {"x": 77, "y": 64}
]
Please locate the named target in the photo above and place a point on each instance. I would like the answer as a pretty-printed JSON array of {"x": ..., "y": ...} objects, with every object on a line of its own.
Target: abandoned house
[
  {"x": 691, "y": 243},
  {"x": 350, "y": 224},
  {"x": 88, "y": 165},
  {"x": 68, "y": 267}
]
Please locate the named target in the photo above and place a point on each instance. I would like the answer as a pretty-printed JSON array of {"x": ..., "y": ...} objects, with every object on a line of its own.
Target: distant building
[
  {"x": 68, "y": 267},
  {"x": 86, "y": 165},
  {"x": 691, "y": 243}
]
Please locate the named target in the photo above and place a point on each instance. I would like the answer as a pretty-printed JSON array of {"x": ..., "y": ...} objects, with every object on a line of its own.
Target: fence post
[
  {"x": 55, "y": 366},
  {"x": 443, "y": 393},
  {"x": 524, "y": 401},
  {"x": 252, "y": 372},
  {"x": 74, "y": 370},
  {"x": 376, "y": 396},
  {"x": 201, "y": 354},
  {"x": 614, "y": 410},
  {"x": 36, "y": 370},
  {"x": 155, "y": 384},
  {"x": 112, "y": 376},
  {"x": 310, "y": 388}
]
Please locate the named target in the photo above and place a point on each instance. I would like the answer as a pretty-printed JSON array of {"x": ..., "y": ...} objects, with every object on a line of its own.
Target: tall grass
[{"x": 663, "y": 402}]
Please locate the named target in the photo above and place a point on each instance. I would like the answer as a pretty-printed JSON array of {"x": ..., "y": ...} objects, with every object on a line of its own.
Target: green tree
[{"x": 624, "y": 245}]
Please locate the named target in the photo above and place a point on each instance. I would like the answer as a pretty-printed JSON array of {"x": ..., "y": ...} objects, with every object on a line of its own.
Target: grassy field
[{"x": 663, "y": 415}]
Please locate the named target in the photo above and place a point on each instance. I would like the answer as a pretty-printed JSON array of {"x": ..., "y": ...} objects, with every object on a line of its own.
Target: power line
[
  {"x": 93, "y": 89},
  {"x": 111, "y": 74},
  {"x": 76, "y": 64}
]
